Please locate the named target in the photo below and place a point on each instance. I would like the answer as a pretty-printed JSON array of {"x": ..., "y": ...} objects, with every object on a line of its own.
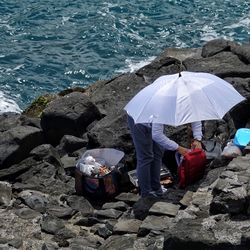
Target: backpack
[{"x": 192, "y": 167}]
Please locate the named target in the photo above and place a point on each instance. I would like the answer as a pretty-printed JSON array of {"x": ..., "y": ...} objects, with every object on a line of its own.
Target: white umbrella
[{"x": 183, "y": 98}]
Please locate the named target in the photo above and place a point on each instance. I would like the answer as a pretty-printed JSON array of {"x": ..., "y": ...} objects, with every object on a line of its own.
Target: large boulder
[
  {"x": 17, "y": 142},
  {"x": 224, "y": 64},
  {"x": 68, "y": 115}
]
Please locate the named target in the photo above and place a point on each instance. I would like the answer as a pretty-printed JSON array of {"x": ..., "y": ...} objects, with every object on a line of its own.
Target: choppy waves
[{"x": 47, "y": 46}]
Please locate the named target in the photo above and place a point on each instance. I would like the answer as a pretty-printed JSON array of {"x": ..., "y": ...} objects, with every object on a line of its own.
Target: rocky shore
[{"x": 39, "y": 207}]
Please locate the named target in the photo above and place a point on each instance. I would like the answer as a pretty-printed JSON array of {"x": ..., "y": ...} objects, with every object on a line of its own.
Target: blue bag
[{"x": 242, "y": 137}]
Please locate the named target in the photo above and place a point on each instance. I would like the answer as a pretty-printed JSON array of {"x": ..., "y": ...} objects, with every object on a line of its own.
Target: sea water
[{"x": 48, "y": 46}]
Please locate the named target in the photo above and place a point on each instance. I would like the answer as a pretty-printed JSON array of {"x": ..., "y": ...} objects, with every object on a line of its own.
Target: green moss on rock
[{"x": 38, "y": 105}]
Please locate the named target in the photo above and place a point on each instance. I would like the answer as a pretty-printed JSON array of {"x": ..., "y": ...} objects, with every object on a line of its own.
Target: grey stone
[
  {"x": 80, "y": 204},
  {"x": 60, "y": 212},
  {"x": 104, "y": 231},
  {"x": 48, "y": 153},
  {"x": 65, "y": 234},
  {"x": 127, "y": 226},
  {"x": 35, "y": 200},
  {"x": 163, "y": 208},
  {"x": 88, "y": 221},
  {"x": 48, "y": 246},
  {"x": 70, "y": 143},
  {"x": 17, "y": 243},
  {"x": 27, "y": 213},
  {"x": 120, "y": 205},
  {"x": 68, "y": 162},
  {"x": 50, "y": 224},
  {"x": 108, "y": 213},
  {"x": 119, "y": 242},
  {"x": 215, "y": 46},
  {"x": 68, "y": 115},
  {"x": 5, "y": 193},
  {"x": 127, "y": 197},
  {"x": 85, "y": 243},
  {"x": 187, "y": 198},
  {"x": 16, "y": 143},
  {"x": 154, "y": 241}
]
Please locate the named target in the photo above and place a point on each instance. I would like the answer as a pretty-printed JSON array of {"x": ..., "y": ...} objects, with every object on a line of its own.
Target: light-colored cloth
[{"x": 168, "y": 144}]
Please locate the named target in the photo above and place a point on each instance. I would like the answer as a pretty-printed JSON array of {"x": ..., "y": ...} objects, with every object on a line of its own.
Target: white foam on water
[
  {"x": 8, "y": 105},
  {"x": 208, "y": 33},
  {"x": 243, "y": 22},
  {"x": 132, "y": 66}
]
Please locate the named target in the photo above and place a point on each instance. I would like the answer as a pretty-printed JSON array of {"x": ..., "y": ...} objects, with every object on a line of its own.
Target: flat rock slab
[
  {"x": 187, "y": 198},
  {"x": 119, "y": 205},
  {"x": 108, "y": 213},
  {"x": 164, "y": 208},
  {"x": 157, "y": 223},
  {"x": 127, "y": 226},
  {"x": 27, "y": 213},
  {"x": 128, "y": 197}
]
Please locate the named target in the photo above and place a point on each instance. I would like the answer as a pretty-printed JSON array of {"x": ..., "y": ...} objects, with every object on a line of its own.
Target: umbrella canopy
[{"x": 183, "y": 98}]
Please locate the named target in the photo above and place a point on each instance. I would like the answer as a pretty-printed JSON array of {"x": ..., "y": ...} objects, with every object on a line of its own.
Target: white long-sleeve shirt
[{"x": 168, "y": 144}]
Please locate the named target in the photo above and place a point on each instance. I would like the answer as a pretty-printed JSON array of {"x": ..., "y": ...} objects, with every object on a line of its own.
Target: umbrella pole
[{"x": 180, "y": 68}]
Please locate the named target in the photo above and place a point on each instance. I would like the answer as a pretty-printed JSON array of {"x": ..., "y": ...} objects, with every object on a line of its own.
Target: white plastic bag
[
  {"x": 231, "y": 150},
  {"x": 89, "y": 165}
]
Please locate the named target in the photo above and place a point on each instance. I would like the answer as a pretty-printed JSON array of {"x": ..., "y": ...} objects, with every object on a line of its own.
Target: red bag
[{"x": 192, "y": 167}]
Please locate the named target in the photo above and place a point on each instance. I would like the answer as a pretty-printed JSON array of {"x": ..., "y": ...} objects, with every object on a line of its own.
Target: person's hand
[
  {"x": 196, "y": 144},
  {"x": 182, "y": 150}
]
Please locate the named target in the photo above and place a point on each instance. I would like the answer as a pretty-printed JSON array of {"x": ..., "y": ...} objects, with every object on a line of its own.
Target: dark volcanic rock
[
  {"x": 68, "y": 115},
  {"x": 211, "y": 214},
  {"x": 17, "y": 142},
  {"x": 50, "y": 224}
]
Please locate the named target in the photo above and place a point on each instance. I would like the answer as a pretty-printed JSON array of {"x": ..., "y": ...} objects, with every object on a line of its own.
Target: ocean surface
[{"x": 48, "y": 45}]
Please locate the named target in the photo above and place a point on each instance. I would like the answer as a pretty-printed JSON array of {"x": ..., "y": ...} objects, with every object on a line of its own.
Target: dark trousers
[{"x": 149, "y": 157}]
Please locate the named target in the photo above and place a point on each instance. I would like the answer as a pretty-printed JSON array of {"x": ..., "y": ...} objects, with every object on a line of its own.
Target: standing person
[
  {"x": 176, "y": 99},
  {"x": 150, "y": 142}
]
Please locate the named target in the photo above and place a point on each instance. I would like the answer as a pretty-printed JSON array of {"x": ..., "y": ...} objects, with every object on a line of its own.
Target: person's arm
[
  {"x": 197, "y": 134},
  {"x": 168, "y": 144}
]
